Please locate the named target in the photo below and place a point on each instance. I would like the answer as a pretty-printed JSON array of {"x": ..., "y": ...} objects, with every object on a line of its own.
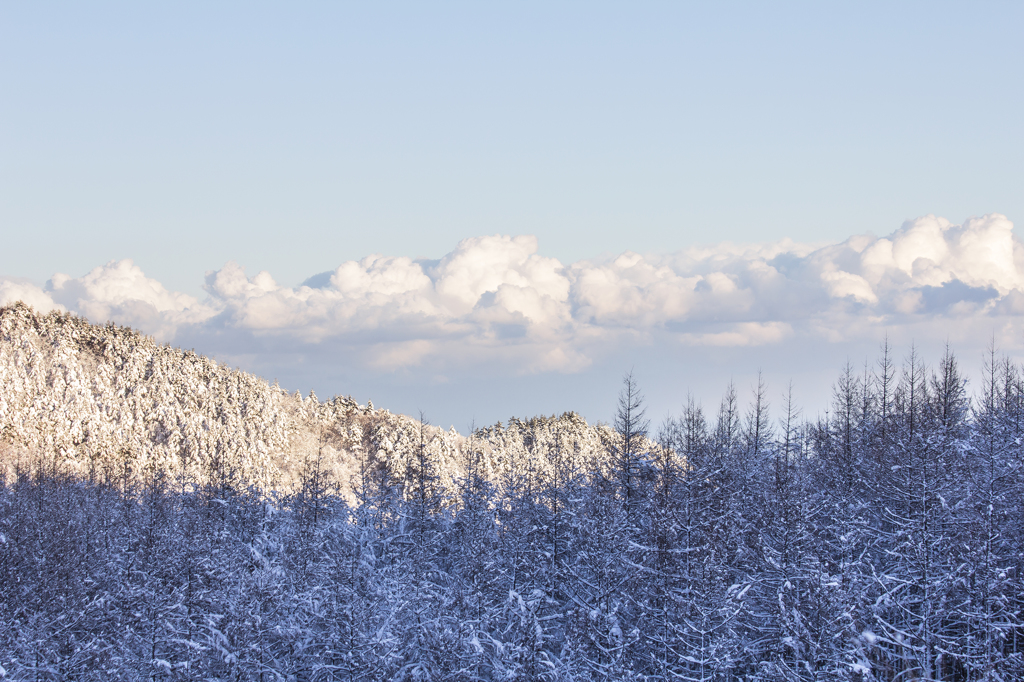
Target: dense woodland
[{"x": 165, "y": 517}]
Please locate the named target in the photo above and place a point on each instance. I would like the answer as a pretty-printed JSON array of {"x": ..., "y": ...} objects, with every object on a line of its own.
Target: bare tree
[{"x": 631, "y": 427}]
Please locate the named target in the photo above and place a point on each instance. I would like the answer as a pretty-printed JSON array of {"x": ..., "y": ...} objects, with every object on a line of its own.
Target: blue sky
[{"x": 295, "y": 137}]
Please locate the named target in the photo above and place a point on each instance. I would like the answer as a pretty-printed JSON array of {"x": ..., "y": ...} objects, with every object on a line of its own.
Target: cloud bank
[{"x": 496, "y": 301}]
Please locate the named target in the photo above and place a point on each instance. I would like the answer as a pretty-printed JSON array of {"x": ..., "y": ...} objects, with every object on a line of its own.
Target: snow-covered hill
[{"x": 109, "y": 403}]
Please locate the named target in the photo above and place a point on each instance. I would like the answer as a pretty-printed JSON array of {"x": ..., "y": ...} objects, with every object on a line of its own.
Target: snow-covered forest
[{"x": 163, "y": 516}]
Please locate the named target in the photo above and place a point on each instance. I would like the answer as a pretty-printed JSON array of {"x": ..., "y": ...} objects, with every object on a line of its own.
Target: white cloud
[
  {"x": 12, "y": 290},
  {"x": 379, "y": 278},
  {"x": 632, "y": 291},
  {"x": 839, "y": 284},
  {"x": 483, "y": 265},
  {"x": 121, "y": 292},
  {"x": 495, "y": 300},
  {"x": 742, "y": 334}
]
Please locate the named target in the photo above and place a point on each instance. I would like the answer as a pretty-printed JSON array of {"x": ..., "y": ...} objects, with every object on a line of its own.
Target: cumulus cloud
[
  {"x": 497, "y": 300},
  {"x": 16, "y": 289},
  {"x": 120, "y": 291}
]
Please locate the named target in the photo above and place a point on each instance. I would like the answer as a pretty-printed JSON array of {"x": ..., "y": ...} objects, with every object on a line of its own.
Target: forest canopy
[{"x": 163, "y": 516}]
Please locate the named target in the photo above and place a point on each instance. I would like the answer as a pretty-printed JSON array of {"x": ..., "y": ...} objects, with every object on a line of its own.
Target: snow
[{"x": 237, "y": 531}]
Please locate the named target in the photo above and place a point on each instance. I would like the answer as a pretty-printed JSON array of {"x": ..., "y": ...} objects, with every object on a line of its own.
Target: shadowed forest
[{"x": 163, "y": 517}]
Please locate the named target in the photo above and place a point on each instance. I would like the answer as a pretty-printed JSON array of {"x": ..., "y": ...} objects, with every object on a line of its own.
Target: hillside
[{"x": 107, "y": 402}]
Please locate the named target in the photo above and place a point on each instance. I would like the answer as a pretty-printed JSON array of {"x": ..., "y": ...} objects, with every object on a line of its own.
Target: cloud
[
  {"x": 14, "y": 289},
  {"x": 495, "y": 301},
  {"x": 742, "y": 334},
  {"x": 121, "y": 292}
]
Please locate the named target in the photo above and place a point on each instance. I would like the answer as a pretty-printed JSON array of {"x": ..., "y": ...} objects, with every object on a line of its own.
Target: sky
[{"x": 492, "y": 209}]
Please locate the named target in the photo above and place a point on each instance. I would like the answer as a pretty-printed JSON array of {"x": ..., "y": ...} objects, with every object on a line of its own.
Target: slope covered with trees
[
  {"x": 105, "y": 403},
  {"x": 316, "y": 541}
]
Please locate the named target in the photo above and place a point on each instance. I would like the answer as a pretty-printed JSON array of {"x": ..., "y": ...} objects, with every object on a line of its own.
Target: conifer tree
[{"x": 628, "y": 456}]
